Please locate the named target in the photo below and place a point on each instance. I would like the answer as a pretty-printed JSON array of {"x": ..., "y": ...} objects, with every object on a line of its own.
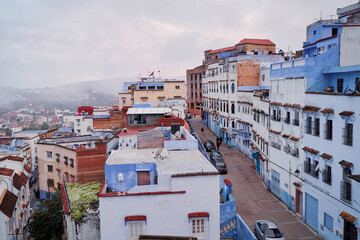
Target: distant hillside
[{"x": 96, "y": 93}]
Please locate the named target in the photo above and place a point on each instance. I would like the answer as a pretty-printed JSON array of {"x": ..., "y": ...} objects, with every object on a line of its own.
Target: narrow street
[{"x": 253, "y": 200}]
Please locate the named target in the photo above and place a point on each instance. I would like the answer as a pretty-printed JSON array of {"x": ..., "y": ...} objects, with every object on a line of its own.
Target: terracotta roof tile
[
  {"x": 326, "y": 156},
  {"x": 346, "y": 163},
  {"x": 17, "y": 181},
  {"x": 13, "y": 158},
  {"x": 286, "y": 135},
  {"x": 223, "y": 50},
  {"x": 198, "y": 214},
  {"x": 24, "y": 178},
  {"x": 294, "y": 138},
  {"x": 346, "y": 113},
  {"x": 297, "y": 184},
  {"x": 287, "y": 105},
  {"x": 256, "y": 41},
  {"x": 135, "y": 218},
  {"x": 327, "y": 111},
  {"x": 311, "y": 109},
  {"x": 8, "y": 203},
  {"x": 27, "y": 168},
  {"x": 275, "y": 103},
  {"x": 348, "y": 217},
  {"x": 6, "y": 172},
  {"x": 295, "y": 106},
  {"x": 310, "y": 150},
  {"x": 275, "y": 132}
]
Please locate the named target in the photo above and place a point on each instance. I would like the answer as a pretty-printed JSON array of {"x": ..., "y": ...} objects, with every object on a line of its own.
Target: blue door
[
  {"x": 258, "y": 165},
  {"x": 311, "y": 211},
  {"x": 275, "y": 183}
]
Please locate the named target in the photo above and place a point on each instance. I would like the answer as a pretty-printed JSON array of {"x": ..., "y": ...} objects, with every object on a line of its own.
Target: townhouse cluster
[{"x": 296, "y": 118}]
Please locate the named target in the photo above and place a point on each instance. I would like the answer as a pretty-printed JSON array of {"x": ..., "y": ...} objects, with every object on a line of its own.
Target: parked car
[
  {"x": 267, "y": 230},
  {"x": 217, "y": 160},
  {"x": 209, "y": 145}
]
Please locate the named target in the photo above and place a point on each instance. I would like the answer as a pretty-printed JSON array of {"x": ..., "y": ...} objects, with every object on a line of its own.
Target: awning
[
  {"x": 310, "y": 150},
  {"x": 198, "y": 214},
  {"x": 326, "y": 156},
  {"x": 148, "y": 111},
  {"x": 348, "y": 217},
  {"x": 346, "y": 163},
  {"x": 311, "y": 109},
  {"x": 346, "y": 113},
  {"x": 136, "y": 218}
]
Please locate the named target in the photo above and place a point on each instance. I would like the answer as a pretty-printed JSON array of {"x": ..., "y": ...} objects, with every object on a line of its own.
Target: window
[
  {"x": 144, "y": 99},
  {"x": 233, "y": 108},
  {"x": 334, "y": 31},
  {"x": 287, "y": 119},
  {"x": 177, "y": 87},
  {"x": 308, "y": 125},
  {"x": 296, "y": 118},
  {"x": 198, "y": 226},
  {"x": 50, "y": 168},
  {"x": 135, "y": 229},
  {"x": 57, "y": 157},
  {"x": 143, "y": 178},
  {"x": 66, "y": 177},
  {"x": 328, "y": 221},
  {"x": 160, "y": 87},
  {"x": 263, "y": 77},
  {"x": 317, "y": 127},
  {"x": 50, "y": 182},
  {"x": 307, "y": 165},
  {"x": 348, "y": 134},
  {"x": 233, "y": 88},
  {"x": 327, "y": 175},
  {"x": 328, "y": 130},
  {"x": 71, "y": 162},
  {"x": 316, "y": 169},
  {"x": 321, "y": 50},
  {"x": 66, "y": 160},
  {"x": 357, "y": 85},
  {"x": 49, "y": 154},
  {"x": 124, "y": 101},
  {"x": 340, "y": 84}
]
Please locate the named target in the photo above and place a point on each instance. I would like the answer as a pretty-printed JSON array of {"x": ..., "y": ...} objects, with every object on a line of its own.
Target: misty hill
[{"x": 95, "y": 93}]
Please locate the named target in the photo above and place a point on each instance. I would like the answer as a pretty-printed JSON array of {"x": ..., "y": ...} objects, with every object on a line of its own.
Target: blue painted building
[{"x": 313, "y": 112}]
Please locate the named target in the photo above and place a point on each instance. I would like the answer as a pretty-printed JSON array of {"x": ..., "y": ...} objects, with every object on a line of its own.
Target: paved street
[{"x": 253, "y": 200}]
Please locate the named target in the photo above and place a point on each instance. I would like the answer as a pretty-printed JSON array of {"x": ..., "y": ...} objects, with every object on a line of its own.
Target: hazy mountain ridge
[{"x": 95, "y": 93}]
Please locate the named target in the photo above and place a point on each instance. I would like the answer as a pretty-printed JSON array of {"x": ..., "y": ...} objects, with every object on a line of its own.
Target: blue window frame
[{"x": 328, "y": 222}]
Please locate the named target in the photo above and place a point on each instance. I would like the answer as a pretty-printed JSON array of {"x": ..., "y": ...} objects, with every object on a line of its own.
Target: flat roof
[
  {"x": 161, "y": 110},
  {"x": 69, "y": 139},
  {"x": 183, "y": 161}
]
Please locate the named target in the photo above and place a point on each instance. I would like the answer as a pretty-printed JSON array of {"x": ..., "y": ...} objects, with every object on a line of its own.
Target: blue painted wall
[
  {"x": 244, "y": 232},
  {"x": 129, "y": 172}
]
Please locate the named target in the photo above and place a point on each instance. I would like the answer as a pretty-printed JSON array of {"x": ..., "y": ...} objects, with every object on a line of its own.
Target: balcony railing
[
  {"x": 295, "y": 152},
  {"x": 345, "y": 191},
  {"x": 276, "y": 145},
  {"x": 326, "y": 176}
]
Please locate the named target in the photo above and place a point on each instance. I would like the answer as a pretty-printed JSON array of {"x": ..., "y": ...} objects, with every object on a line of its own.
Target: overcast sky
[{"x": 48, "y": 43}]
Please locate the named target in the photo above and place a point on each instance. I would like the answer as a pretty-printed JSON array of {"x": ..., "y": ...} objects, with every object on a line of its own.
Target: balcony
[
  {"x": 294, "y": 152},
  {"x": 276, "y": 145},
  {"x": 345, "y": 191}
]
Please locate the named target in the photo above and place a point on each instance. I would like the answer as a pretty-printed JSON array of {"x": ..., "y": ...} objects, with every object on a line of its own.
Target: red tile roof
[
  {"x": 6, "y": 172},
  {"x": 275, "y": 132},
  {"x": 198, "y": 214},
  {"x": 223, "y": 50},
  {"x": 64, "y": 198},
  {"x": 19, "y": 159},
  {"x": 310, "y": 150},
  {"x": 311, "y": 109},
  {"x": 17, "y": 181},
  {"x": 346, "y": 163},
  {"x": 327, "y": 111},
  {"x": 348, "y": 217},
  {"x": 275, "y": 103},
  {"x": 294, "y": 138},
  {"x": 346, "y": 113},
  {"x": 8, "y": 203},
  {"x": 135, "y": 218},
  {"x": 24, "y": 178},
  {"x": 286, "y": 135},
  {"x": 27, "y": 168},
  {"x": 326, "y": 156},
  {"x": 256, "y": 41}
]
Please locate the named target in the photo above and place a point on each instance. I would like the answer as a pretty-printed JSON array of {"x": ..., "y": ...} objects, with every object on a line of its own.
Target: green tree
[
  {"x": 47, "y": 223},
  {"x": 45, "y": 126}
]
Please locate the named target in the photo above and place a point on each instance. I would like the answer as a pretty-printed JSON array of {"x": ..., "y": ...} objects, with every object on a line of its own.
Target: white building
[
  {"x": 82, "y": 124},
  {"x": 15, "y": 197},
  {"x": 149, "y": 192}
]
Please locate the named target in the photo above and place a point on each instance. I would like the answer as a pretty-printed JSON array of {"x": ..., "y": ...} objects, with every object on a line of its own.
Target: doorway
[
  {"x": 298, "y": 198},
  {"x": 350, "y": 232}
]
